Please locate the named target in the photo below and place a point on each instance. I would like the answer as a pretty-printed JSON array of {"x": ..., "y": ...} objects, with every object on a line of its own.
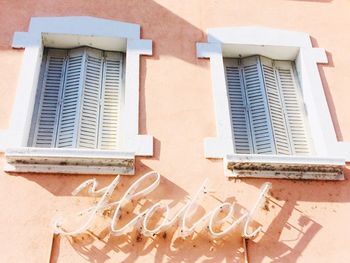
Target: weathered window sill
[
  {"x": 68, "y": 161},
  {"x": 286, "y": 167}
]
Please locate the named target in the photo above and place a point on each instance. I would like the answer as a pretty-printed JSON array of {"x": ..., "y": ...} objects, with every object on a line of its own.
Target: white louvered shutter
[
  {"x": 48, "y": 113},
  {"x": 279, "y": 127},
  {"x": 258, "y": 110},
  {"x": 238, "y": 107},
  {"x": 294, "y": 108},
  {"x": 266, "y": 107},
  {"x": 90, "y": 104},
  {"x": 80, "y": 100},
  {"x": 71, "y": 99},
  {"x": 111, "y": 100}
]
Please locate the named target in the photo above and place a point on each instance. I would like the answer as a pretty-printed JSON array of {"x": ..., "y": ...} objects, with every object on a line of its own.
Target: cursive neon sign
[{"x": 182, "y": 218}]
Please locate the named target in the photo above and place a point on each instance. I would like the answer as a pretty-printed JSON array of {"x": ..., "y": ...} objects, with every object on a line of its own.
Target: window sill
[
  {"x": 286, "y": 167},
  {"x": 68, "y": 161}
]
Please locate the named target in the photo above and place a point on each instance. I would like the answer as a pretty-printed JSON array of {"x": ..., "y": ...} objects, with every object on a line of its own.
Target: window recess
[
  {"x": 272, "y": 117},
  {"x": 83, "y": 121},
  {"x": 266, "y": 107},
  {"x": 79, "y": 98}
]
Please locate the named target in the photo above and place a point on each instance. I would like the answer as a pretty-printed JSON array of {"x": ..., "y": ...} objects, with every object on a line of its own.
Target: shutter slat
[
  {"x": 90, "y": 109},
  {"x": 48, "y": 113},
  {"x": 238, "y": 107},
  {"x": 70, "y": 110},
  {"x": 260, "y": 123},
  {"x": 278, "y": 121},
  {"x": 294, "y": 111},
  {"x": 111, "y": 93}
]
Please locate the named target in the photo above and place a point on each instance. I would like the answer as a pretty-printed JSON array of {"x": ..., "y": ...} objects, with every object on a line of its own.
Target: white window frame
[
  {"x": 279, "y": 45},
  {"x": 70, "y": 32}
]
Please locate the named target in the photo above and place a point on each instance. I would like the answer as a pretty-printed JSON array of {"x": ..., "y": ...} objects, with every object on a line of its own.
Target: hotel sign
[{"x": 183, "y": 218}]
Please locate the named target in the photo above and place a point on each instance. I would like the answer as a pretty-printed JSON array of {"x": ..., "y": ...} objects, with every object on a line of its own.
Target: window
[
  {"x": 271, "y": 113},
  {"x": 266, "y": 107},
  {"x": 79, "y": 100}
]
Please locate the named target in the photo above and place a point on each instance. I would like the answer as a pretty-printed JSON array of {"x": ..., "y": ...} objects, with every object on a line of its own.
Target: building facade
[{"x": 239, "y": 108}]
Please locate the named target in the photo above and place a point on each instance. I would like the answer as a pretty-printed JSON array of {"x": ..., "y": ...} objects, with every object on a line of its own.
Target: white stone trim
[
  {"x": 223, "y": 143},
  {"x": 66, "y": 169},
  {"x": 252, "y": 35},
  {"x": 69, "y": 32},
  {"x": 286, "y": 167},
  {"x": 141, "y": 144},
  {"x": 81, "y": 161},
  {"x": 276, "y": 44}
]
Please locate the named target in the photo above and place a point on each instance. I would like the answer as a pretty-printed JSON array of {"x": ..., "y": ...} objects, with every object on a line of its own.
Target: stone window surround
[
  {"x": 69, "y": 32},
  {"x": 279, "y": 45}
]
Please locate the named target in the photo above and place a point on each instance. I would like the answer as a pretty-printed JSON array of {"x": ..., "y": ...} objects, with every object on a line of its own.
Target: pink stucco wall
[{"x": 304, "y": 221}]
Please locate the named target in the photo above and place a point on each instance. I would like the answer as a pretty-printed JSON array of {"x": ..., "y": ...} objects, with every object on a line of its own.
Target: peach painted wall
[{"x": 303, "y": 221}]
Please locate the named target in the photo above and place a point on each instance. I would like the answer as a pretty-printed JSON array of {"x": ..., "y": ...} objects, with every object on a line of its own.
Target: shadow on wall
[
  {"x": 290, "y": 218},
  {"x": 327, "y": 91},
  {"x": 148, "y": 14},
  {"x": 96, "y": 245},
  {"x": 304, "y": 229},
  {"x": 178, "y": 36},
  {"x": 173, "y": 36},
  {"x": 314, "y": 1},
  {"x": 283, "y": 201}
]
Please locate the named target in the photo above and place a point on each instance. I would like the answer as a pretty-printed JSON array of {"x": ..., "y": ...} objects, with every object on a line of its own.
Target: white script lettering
[{"x": 182, "y": 218}]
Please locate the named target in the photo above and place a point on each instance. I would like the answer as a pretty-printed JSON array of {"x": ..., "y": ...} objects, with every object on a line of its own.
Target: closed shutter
[
  {"x": 111, "y": 100},
  {"x": 276, "y": 108},
  {"x": 266, "y": 107},
  {"x": 238, "y": 107},
  {"x": 90, "y": 105},
  {"x": 293, "y": 106},
  {"x": 80, "y": 100},
  {"x": 258, "y": 110},
  {"x": 70, "y": 106},
  {"x": 48, "y": 113}
]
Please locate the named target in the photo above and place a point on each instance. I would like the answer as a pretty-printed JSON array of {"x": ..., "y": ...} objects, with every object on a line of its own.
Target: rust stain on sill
[
  {"x": 248, "y": 166},
  {"x": 118, "y": 163}
]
